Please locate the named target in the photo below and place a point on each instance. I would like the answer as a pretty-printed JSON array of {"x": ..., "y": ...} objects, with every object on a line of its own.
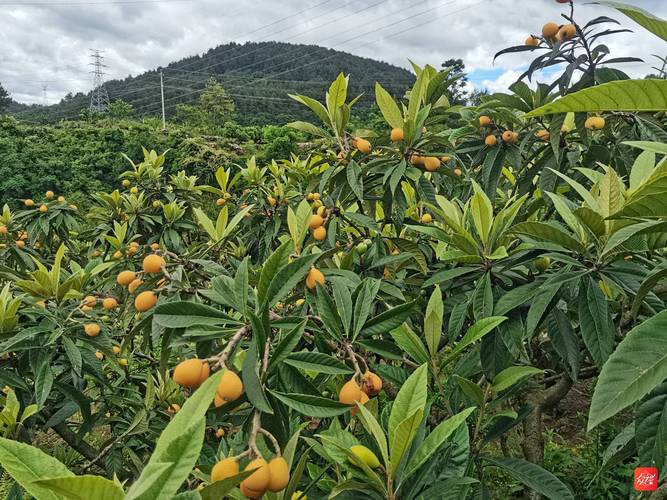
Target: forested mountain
[{"x": 258, "y": 76}]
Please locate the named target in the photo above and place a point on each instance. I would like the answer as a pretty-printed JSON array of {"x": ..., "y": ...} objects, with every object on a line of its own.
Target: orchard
[{"x": 390, "y": 314}]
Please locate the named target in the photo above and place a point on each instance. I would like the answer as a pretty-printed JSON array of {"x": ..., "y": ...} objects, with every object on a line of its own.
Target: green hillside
[{"x": 258, "y": 76}]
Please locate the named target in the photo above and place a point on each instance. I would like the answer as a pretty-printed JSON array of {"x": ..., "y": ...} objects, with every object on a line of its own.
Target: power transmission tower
[
  {"x": 99, "y": 99},
  {"x": 44, "y": 87}
]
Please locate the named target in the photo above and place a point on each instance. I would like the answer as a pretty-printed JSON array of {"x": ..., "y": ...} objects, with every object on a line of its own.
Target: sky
[{"x": 45, "y": 43}]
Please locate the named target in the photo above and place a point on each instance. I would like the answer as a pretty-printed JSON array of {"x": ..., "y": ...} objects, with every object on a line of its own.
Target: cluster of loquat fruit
[{"x": 44, "y": 207}]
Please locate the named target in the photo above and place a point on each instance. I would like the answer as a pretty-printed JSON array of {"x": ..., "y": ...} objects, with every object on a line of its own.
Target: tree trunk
[{"x": 533, "y": 439}]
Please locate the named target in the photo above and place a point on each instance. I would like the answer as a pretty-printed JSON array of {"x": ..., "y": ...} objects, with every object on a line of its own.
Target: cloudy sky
[{"x": 47, "y": 42}]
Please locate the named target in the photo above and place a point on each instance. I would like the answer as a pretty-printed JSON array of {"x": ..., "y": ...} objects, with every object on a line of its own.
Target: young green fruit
[
  {"x": 365, "y": 455},
  {"x": 542, "y": 263}
]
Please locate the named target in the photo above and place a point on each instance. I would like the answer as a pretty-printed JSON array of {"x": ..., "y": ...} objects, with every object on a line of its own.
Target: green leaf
[
  {"x": 178, "y": 447},
  {"x": 512, "y": 375},
  {"x": 235, "y": 221},
  {"x": 327, "y": 310},
  {"x": 538, "y": 307},
  {"x": 388, "y": 107},
  {"x": 410, "y": 398},
  {"x": 28, "y": 465},
  {"x": 183, "y": 314},
  {"x": 651, "y": 279},
  {"x": 642, "y": 168},
  {"x": 312, "y": 406},
  {"x": 565, "y": 341},
  {"x": 373, "y": 428},
  {"x": 409, "y": 342},
  {"x": 219, "y": 489},
  {"x": 621, "y": 95},
  {"x": 337, "y": 93},
  {"x": 652, "y": 23},
  {"x": 547, "y": 232},
  {"x": 43, "y": 382},
  {"x": 287, "y": 278},
  {"x": 482, "y": 213},
  {"x": 470, "y": 389},
  {"x": 433, "y": 321},
  {"x": 534, "y": 476},
  {"x": 651, "y": 427},
  {"x": 433, "y": 442},
  {"x": 271, "y": 266},
  {"x": 314, "y": 105},
  {"x": 364, "y": 302},
  {"x": 401, "y": 438},
  {"x": 475, "y": 333},
  {"x": 252, "y": 385},
  {"x": 287, "y": 343},
  {"x": 317, "y": 362},
  {"x": 388, "y": 320},
  {"x": 309, "y": 128},
  {"x": 634, "y": 369},
  {"x": 516, "y": 297},
  {"x": 343, "y": 303},
  {"x": 581, "y": 191},
  {"x": 84, "y": 487},
  {"x": 206, "y": 223},
  {"x": 615, "y": 242},
  {"x": 648, "y": 200},
  {"x": 355, "y": 179},
  {"x": 597, "y": 328},
  {"x": 482, "y": 300}
]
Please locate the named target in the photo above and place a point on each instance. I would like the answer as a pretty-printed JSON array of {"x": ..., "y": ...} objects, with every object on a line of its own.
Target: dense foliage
[
  {"x": 387, "y": 315},
  {"x": 83, "y": 157}
]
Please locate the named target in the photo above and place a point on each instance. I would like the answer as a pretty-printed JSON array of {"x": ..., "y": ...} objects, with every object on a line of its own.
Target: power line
[
  {"x": 295, "y": 50},
  {"x": 186, "y": 65},
  {"x": 71, "y": 4},
  {"x": 344, "y": 42},
  {"x": 268, "y": 77},
  {"x": 246, "y": 54}
]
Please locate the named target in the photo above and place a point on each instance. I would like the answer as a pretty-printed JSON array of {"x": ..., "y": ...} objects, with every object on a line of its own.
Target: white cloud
[{"x": 50, "y": 44}]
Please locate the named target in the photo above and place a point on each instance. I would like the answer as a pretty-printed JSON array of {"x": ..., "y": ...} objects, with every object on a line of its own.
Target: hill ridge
[{"x": 258, "y": 76}]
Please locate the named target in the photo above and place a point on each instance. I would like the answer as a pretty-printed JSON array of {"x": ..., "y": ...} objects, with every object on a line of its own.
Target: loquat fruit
[
  {"x": 278, "y": 474},
  {"x": 431, "y": 163},
  {"x": 315, "y": 221},
  {"x": 320, "y": 233},
  {"x": 229, "y": 388},
  {"x": 550, "y": 30},
  {"x": 363, "y": 145},
  {"x": 313, "y": 277},
  {"x": 153, "y": 264},
  {"x": 396, "y": 134},
  {"x": 191, "y": 373},
  {"x": 225, "y": 468},
  {"x": 109, "y": 303},
  {"x": 134, "y": 284},
  {"x": 125, "y": 277},
  {"x": 145, "y": 301},
  {"x": 532, "y": 41},
  {"x": 350, "y": 393},
  {"x": 594, "y": 123},
  {"x": 91, "y": 329},
  {"x": 260, "y": 479}
]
